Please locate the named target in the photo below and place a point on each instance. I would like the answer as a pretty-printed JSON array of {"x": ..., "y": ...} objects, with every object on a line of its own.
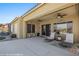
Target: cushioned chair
[
  {"x": 51, "y": 37},
  {"x": 68, "y": 42},
  {"x": 69, "y": 38}
]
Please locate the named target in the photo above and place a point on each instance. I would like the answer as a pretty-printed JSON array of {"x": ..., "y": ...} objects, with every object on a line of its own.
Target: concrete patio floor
[{"x": 35, "y": 46}]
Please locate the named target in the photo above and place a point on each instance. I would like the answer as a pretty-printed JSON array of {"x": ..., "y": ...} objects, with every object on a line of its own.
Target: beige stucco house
[{"x": 47, "y": 17}]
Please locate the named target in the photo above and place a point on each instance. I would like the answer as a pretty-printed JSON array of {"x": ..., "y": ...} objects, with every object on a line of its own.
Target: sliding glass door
[{"x": 46, "y": 29}]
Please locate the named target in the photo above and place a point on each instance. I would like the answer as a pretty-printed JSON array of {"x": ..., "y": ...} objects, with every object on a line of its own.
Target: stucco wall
[{"x": 16, "y": 27}]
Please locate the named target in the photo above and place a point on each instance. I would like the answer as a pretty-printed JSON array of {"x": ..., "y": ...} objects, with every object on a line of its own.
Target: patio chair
[
  {"x": 29, "y": 35},
  {"x": 33, "y": 35},
  {"x": 69, "y": 38},
  {"x": 68, "y": 42},
  {"x": 51, "y": 37}
]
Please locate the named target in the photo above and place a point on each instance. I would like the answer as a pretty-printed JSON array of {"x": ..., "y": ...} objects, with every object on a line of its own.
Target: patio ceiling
[
  {"x": 44, "y": 10},
  {"x": 68, "y": 11}
]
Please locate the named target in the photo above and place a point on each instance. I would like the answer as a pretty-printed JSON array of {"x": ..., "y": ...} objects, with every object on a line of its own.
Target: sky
[{"x": 8, "y": 11}]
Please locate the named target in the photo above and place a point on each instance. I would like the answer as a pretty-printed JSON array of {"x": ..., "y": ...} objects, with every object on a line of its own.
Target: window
[
  {"x": 69, "y": 27},
  {"x": 30, "y": 28},
  {"x": 33, "y": 28},
  {"x": 64, "y": 27}
]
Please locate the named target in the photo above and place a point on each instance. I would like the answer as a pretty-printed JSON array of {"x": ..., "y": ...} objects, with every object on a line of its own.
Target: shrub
[{"x": 1, "y": 38}]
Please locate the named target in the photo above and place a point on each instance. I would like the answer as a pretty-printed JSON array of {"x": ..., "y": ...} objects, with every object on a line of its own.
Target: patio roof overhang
[{"x": 46, "y": 9}]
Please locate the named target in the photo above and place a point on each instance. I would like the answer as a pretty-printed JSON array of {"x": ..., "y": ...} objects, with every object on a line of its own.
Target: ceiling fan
[
  {"x": 61, "y": 15},
  {"x": 39, "y": 20}
]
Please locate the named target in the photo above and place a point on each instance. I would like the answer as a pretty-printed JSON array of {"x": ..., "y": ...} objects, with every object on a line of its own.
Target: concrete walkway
[{"x": 35, "y": 46}]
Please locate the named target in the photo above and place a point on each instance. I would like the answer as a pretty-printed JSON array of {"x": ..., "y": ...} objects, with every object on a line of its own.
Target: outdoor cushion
[
  {"x": 52, "y": 36},
  {"x": 69, "y": 37}
]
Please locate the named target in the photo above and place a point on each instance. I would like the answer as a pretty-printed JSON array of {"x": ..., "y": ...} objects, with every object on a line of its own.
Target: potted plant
[{"x": 13, "y": 36}]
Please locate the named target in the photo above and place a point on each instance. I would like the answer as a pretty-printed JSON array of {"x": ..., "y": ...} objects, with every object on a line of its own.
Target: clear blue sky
[{"x": 8, "y": 11}]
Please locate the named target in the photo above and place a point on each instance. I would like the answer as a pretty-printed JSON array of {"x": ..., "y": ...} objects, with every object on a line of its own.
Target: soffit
[{"x": 45, "y": 9}]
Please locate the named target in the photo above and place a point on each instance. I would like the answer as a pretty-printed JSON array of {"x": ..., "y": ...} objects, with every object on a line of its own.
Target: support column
[
  {"x": 76, "y": 23},
  {"x": 24, "y": 29},
  {"x": 20, "y": 28}
]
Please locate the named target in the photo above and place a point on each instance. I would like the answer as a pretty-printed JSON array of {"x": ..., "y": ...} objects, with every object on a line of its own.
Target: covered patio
[{"x": 63, "y": 20}]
